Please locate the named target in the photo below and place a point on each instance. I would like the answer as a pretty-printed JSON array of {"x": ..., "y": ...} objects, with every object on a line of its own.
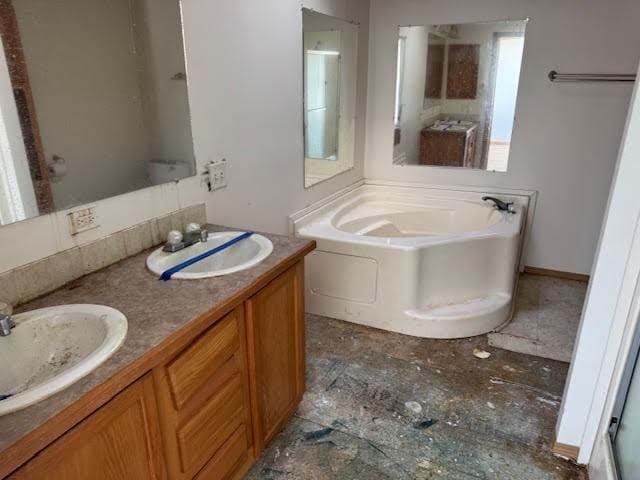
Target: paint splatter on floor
[{"x": 467, "y": 418}]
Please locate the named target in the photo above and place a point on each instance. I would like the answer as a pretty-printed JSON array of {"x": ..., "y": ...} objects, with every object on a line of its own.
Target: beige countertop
[{"x": 159, "y": 315}]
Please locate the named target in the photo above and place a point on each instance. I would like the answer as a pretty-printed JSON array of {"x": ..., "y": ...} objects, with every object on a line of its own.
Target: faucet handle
[
  {"x": 6, "y": 322},
  {"x": 193, "y": 227}
]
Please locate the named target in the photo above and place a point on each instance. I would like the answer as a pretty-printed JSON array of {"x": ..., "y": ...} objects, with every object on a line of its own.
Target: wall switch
[
  {"x": 83, "y": 219},
  {"x": 218, "y": 174}
]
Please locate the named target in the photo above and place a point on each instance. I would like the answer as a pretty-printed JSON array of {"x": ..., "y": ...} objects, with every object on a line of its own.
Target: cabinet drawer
[
  {"x": 232, "y": 457},
  {"x": 203, "y": 398},
  {"x": 193, "y": 368},
  {"x": 204, "y": 433}
]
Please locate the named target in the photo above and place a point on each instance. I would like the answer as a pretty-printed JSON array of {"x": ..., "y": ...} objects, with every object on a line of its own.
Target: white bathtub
[{"x": 425, "y": 262}]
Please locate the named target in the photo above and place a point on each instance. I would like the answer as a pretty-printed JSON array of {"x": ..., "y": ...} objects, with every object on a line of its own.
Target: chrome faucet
[
  {"x": 501, "y": 205},
  {"x": 176, "y": 240},
  {"x": 6, "y": 322}
]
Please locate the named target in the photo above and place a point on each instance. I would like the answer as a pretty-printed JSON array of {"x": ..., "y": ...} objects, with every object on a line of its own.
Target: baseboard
[
  {"x": 580, "y": 277},
  {"x": 567, "y": 451}
]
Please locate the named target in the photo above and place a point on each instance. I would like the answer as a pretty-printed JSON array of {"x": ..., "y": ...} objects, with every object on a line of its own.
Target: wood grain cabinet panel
[
  {"x": 232, "y": 457},
  {"x": 204, "y": 402},
  {"x": 121, "y": 441},
  {"x": 462, "y": 71},
  {"x": 275, "y": 332},
  {"x": 189, "y": 372},
  {"x": 448, "y": 149}
]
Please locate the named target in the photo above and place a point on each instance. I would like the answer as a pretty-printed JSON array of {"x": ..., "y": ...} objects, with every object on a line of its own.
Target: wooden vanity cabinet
[
  {"x": 121, "y": 440},
  {"x": 448, "y": 148},
  {"x": 230, "y": 391},
  {"x": 205, "y": 412}
]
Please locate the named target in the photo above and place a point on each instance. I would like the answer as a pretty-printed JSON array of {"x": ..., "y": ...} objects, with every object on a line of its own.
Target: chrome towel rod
[{"x": 591, "y": 77}]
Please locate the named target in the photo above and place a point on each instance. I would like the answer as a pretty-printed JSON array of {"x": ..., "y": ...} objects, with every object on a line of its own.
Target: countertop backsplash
[{"x": 43, "y": 276}]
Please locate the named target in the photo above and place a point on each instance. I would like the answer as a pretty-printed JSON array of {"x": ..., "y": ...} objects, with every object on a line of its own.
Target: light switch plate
[
  {"x": 218, "y": 174},
  {"x": 83, "y": 219}
]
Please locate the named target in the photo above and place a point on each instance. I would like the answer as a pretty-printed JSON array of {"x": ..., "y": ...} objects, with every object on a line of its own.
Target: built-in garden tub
[{"x": 419, "y": 261}]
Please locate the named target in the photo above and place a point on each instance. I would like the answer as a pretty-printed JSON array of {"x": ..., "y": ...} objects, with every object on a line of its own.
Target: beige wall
[
  {"x": 82, "y": 69},
  {"x": 565, "y": 137}
]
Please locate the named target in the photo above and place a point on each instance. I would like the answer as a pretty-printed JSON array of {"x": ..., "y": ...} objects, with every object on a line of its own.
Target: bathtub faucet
[{"x": 500, "y": 205}]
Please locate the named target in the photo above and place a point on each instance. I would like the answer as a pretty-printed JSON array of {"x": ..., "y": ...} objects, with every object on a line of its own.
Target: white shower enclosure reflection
[
  {"x": 330, "y": 70},
  {"x": 322, "y": 91}
]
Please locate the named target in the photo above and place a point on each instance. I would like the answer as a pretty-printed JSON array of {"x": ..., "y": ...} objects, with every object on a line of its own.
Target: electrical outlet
[
  {"x": 83, "y": 219},
  {"x": 218, "y": 174}
]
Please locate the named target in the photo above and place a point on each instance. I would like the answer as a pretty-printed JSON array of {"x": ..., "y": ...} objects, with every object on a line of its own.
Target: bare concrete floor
[
  {"x": 380, "y": 405},
  {"x": 545, "y": 319}
]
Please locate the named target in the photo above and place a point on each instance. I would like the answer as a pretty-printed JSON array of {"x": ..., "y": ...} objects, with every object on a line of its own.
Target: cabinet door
[
  {"x": 120, "y": 441},
  {"x": 462, "y": 73},
  {"x": 275, "y": 332}
]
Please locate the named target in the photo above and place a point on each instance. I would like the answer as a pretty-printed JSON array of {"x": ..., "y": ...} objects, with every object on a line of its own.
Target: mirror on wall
[
  {"x": 93, "y": 102},
  {"x": 330, "y": 51},
  {"x": 455, "y": 96}
]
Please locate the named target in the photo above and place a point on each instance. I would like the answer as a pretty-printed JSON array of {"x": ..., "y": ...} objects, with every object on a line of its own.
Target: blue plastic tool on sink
[{"x": 166, "y": 275}]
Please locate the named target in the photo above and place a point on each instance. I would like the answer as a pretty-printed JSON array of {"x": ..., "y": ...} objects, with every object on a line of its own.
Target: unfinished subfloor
[
  {"x": 545, "y": 318},
  {"x": 381, "y": 405}
]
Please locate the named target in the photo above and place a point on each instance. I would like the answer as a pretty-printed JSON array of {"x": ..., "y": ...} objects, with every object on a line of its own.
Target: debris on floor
[
  {"x": 369, "y": 414},
  {"x": 482, "y": 354},
  {"x": 414, "y": 407}
]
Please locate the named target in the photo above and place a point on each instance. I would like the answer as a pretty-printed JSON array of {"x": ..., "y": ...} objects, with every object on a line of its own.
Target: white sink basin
[
  {"x": 244, "y": 254},
  {"x": 51, "y": 348}
]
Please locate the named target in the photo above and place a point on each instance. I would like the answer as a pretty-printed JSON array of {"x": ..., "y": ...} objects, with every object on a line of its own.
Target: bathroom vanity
[
  {"x": 208, "y": 374},
  {"x": 449, "y": 145}
]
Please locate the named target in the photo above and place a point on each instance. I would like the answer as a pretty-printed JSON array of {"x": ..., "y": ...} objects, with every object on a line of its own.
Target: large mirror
[
  {"x": 93, "y": 102},
  {"x": 455, "y": 96},
  {"x": 330, "y": 51}
]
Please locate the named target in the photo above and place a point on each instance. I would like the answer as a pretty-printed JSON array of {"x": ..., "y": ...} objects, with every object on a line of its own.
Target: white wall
[
  {"x": 245, "y": 69},
  {"x": 609, "y": 301},
  {"x": 565, "y": 137}
]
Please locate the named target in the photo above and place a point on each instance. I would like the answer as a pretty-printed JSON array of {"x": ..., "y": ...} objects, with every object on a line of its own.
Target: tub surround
[{"x": 162, "y": 318}]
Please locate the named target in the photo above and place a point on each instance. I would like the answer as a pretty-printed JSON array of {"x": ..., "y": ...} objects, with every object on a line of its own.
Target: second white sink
[
  {"x": 240, "y": 256},
  {"x": 51, "y": 348}
]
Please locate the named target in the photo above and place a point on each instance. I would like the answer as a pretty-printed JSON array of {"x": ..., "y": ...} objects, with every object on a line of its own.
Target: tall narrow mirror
[
  {"x": 93, "y": 102},
  {"x": 455, "y": 96},
  {"x": 330, "y": 50}
]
